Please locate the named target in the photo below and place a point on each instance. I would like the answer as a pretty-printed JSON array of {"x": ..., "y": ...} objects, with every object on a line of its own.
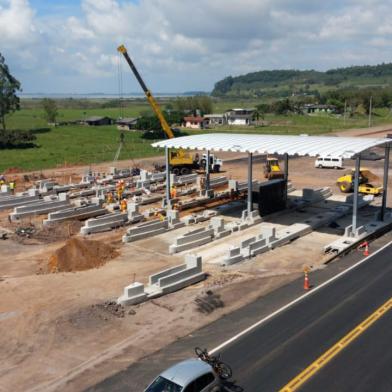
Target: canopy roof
[{"x": 345, "y": 147}]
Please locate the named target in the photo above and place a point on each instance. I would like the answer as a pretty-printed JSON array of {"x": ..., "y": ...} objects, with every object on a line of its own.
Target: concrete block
[
  {"x": 158, "y": 177},
  {"x": 75, "y": 213},
  {"x": 233, "y": 256},
  {"x": 154, "y": 279},
  {"x": 103, "y": 223},
  {"x": 5, "y": 189},
  {"x": 259, "y": 246},
  {"x": 268, "y": 233},
  {"x": 233, "y": 185},
  {"x": 39, "y": 208},
  {"x": 217, "y": 224},
  {"x": 246, "y": 243},
  {"x": 133, "y": 294},
  {"x": 14, "y": 201},
  {"x": 165, "y": 282},
  {"x": 186, "y": 179},
  {"x": 191, "y": 240},
  {"x": 144, "y": 230}
]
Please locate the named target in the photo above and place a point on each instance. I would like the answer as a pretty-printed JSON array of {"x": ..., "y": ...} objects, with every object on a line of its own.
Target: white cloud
[
  {"x": 182, "y": 44},
  {"x": 16, "y": 23}
]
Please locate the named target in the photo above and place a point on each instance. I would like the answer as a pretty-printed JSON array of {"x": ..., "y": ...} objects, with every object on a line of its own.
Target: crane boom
[{"x": 155, "y": 107}]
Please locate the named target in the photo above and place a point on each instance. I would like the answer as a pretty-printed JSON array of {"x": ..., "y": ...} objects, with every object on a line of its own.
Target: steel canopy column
[
  {"x": 356, "y": 184},
  {"x": 385, "y": 184},
  {"x": 286, "y": 172},
  {"x": 250, "y": 166},
  {"x": 286, "y": 166},
  {"x": 208, "y": 172},
  {"x": 167, "y": 163}
]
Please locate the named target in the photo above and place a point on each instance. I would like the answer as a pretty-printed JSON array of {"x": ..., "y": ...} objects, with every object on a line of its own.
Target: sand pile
[{"x": 79, "y": 255}]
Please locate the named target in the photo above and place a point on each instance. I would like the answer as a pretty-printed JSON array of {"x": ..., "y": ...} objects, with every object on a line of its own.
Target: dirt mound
[{"x": 79, "y": 255}]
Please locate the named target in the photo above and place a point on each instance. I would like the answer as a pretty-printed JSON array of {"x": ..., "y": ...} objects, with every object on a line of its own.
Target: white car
[
  {"x": 329, "y": 161},
  {"x": 191, "y": 375}
]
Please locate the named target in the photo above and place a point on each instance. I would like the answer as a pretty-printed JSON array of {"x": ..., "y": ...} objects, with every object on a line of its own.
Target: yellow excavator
[
  {"x": 181, "y": 162},
  {"x": 272, "y": 169},
  {"x": 346, "y": 182}
]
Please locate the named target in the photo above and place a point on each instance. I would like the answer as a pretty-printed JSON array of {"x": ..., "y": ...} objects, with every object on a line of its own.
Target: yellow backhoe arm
[{"x": 155, "y": 107}]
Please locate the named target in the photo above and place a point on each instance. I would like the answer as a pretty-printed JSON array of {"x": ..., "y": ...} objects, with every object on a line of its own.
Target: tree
[
  {"x": 9, "y": 102},
  {"x": 50, "y": 108}
]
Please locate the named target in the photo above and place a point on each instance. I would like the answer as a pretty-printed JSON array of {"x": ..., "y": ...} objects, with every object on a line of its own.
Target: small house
[
  {"x": 127, "y": 124},
  {"x": 211, "y": 120},
  {"x": 97, "y": 120},
  {"x": 194, "y": 122},
  {"x": 239, "y": 116},
  {"x": 316, "y": 109}
]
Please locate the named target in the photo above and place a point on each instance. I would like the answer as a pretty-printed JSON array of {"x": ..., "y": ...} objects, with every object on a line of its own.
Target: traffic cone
[
  {"x": 306, "y": 282},
  {"x": 366, "y": 251}
]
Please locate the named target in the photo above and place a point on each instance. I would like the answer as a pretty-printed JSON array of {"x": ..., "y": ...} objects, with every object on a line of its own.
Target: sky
[{"x": 69, "y": 46}]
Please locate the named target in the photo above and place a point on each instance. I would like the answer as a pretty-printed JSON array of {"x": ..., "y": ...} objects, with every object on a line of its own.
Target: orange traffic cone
[
  {"x": 366, "y": 251},
  {"x": 306, "y": 281}
]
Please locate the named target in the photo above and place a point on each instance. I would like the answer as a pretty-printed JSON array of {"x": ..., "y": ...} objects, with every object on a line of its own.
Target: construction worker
[
  {"x": 173, "y": 192},
  {"x": 12, "y": 186},
  {"x": 123, "y": 205},
  {"x": 109, "y": 198}
]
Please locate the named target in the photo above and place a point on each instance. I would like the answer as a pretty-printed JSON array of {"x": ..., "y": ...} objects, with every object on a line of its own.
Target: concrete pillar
[
  {"x": 250, "y": 167},
  {"x": 385, "y": 184},
  {"x": 208, "y": 172},
  {"x": 167, "y": 163},
  {"x": 356, "y": 184}
]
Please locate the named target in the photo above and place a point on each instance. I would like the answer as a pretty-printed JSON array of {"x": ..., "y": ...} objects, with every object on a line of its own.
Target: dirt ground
[{"x": 63, "y": 330}]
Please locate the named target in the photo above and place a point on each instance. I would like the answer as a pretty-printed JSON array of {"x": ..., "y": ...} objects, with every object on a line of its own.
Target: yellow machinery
[
  {"x": 346, "y": 182},
  {"x": 272, "y": 169},
  {"x": 180, "y": 161}
]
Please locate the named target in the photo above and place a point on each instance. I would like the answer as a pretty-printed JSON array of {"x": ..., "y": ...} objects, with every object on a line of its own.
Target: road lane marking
[
  {"x": 321, "y": 361},
  {"x": 300, "y": 298}
]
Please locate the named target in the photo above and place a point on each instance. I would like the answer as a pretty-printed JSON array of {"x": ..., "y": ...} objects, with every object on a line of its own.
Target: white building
[{"x": 239, "y": 116}]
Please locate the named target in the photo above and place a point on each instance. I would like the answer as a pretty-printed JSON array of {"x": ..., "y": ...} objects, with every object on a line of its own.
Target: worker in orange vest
[
  {"x": 123, "y": 205},
  {"x": 109, "y": 198},
  {"x": 173, "y": 192}
]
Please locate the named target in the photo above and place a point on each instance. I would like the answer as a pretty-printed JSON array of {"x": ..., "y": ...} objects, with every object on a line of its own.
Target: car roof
[{"x": 186, "y": 371}]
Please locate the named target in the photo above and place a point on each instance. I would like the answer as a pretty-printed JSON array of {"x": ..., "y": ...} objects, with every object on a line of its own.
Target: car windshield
[{"x": 162, "y": 384}]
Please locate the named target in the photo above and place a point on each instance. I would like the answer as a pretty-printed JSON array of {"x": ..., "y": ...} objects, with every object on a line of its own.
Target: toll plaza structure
[{"x": 286, "y": 146}]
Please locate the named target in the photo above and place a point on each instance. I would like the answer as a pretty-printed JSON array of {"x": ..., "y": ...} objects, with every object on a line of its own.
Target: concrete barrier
[
  {"x": 144, "y": 230},
  {"x": 164, "y": 282},
  {"x": 133, "y": 212},
  {"x": 40, "y": 208},
  {"x": 77, "y": 213},
  {"x": 191, "y": 240},
  {"x": 104, "y": 223},
  {"x": 133, "y": 294},
  {"x": 14, "y": 201},
  {"x": 233, "y": 256},
  {"x": 183, "y": 180}
]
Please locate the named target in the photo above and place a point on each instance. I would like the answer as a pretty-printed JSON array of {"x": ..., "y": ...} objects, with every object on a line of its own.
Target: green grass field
[{"x": 78, "y": 144}]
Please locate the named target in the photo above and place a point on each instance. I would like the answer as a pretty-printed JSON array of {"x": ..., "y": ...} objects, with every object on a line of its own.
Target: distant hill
[{"x": 279, "y": 83}]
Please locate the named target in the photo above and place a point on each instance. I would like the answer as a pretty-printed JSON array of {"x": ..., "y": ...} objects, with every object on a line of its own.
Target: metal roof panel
[{"x": 345, "y": 147}]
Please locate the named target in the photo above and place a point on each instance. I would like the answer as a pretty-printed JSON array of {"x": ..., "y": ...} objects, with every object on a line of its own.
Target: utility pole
[
  {"x": 345, "y": 109},
  {"x": 370, "y": 112}
]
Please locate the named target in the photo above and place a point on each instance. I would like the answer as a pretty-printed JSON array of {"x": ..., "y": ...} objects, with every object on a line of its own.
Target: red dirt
[
  {"x": 12, "y": 170},
  {"x": 80, "y": 255}
]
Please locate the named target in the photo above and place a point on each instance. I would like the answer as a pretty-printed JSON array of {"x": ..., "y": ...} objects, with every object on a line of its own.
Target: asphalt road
[
  {"x": 272, "y": 354},
  {"x": 269, "y": 357}
]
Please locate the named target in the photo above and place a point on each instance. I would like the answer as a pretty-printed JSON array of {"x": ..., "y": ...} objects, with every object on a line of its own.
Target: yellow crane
[{"x": 180, "y": 161}]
